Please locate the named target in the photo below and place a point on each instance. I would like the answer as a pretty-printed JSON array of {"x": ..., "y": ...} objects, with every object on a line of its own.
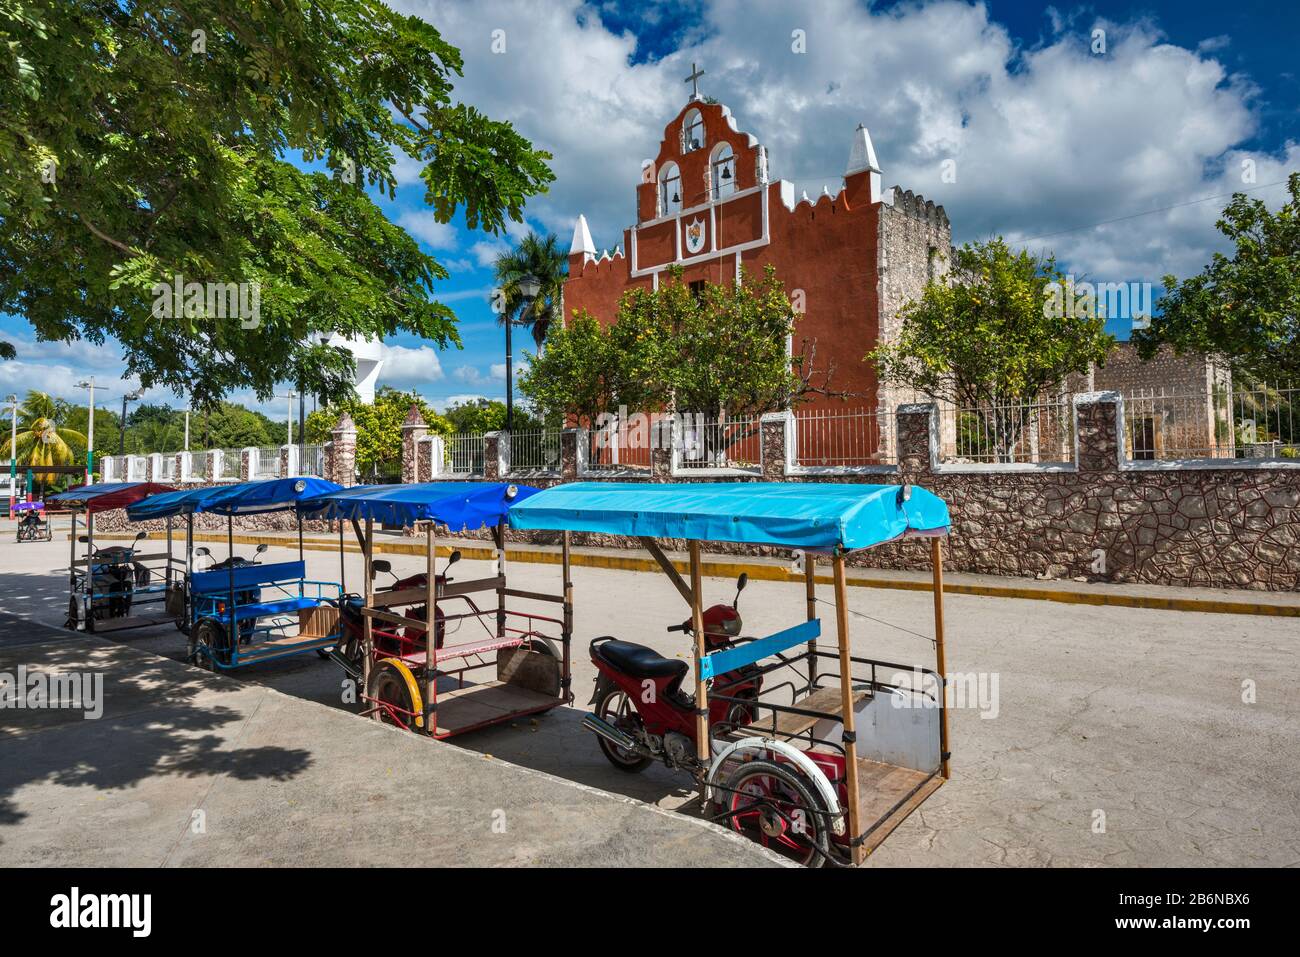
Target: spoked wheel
[
  {"x": 207, "y": 641},
  {"x": 772, "y": 805},
  {"x": 395, "y": 695},
  {"x": 613, "y": 705}
]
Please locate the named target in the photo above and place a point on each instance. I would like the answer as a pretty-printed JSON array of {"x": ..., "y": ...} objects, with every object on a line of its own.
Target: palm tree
[
  {"x": 545, "y": 258},
  {"x": 41, "y": 441}
]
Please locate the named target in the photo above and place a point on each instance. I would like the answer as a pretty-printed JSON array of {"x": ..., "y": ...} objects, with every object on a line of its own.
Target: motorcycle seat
[{"x": 638, "y": 660}]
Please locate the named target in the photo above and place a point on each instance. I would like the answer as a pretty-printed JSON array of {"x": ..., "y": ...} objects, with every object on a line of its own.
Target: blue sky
[{"x": 1048, "y": 138}]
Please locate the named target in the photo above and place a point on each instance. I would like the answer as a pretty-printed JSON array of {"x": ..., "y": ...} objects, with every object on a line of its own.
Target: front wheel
[
  {"x": 395, "y": 695},
  {"x": 771, "y": 804},
  {"x": 207, "y": 641},
  {"x": 613, "y": 705}
]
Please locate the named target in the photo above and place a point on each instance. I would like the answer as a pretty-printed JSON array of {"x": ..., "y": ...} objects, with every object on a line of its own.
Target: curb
[{"x": 722, "y": 568}]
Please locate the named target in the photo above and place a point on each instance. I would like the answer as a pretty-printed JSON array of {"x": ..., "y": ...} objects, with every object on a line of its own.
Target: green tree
[
  {"x": 716, "y": 349},
  {"x": 231, "y": 426},
  {"x": 107, "y": 429},
  {"x": 379, "y": 428},
  {"x": 41, "y": 439},
  {"x": 147, "y": 140},
  {"x": 1244, "y": 310},
  {"x": 543, "y": 258},
  {"x": 989, "y": 338}
]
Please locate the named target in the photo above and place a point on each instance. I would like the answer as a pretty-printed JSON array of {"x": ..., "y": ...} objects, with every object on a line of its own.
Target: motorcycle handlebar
[{"x": 684, "y": 626}]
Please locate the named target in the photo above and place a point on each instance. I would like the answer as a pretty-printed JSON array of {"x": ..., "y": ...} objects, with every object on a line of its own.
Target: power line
[{"x": 1150, "y": 212}]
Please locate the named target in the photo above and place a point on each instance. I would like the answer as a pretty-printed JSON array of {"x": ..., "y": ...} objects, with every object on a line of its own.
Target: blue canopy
[
  {"x": 461, "y": 506},
  {"x": 790, "y": 514},
  {"x": 269, "y": 495},
  {"x": 167, "y": 504}
]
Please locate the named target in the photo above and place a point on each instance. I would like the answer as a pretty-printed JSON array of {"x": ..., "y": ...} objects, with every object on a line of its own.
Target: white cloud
[
  {"x": 1045, "y": 137},
  {"x": 407, "y": 367},
  {"x": 423, "y": 226},
  {"x": 498, "y": 370},
  {"x": 486, "y": 251}
]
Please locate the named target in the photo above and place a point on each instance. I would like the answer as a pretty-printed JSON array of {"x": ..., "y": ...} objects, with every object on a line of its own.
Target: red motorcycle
[
  {"x": 348, "y": 652},
  {"x": 641, "y": 713}
]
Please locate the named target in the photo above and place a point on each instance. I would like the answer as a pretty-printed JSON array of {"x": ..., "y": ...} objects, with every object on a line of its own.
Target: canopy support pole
[
  {"x": 703, "y": 749},
  {"x": 499, "y": 536},
  {"x": 846, "y": 702},
  {"x": 301, "y": 585},
  {"x": 810, "y": 597},
  {"x": 90, "y": 572},
  {"x": 169, "y": 556},
  {"x": 343, "y": 565},
  {"x": 233, "y": 636},
  {"x": 367, "y": 635},
  {"x": 430, "y": 635},
  {"x": 566, "y": 680},
  {"x": 936, "y": 566},
  {"x": 189, "y": 568}
]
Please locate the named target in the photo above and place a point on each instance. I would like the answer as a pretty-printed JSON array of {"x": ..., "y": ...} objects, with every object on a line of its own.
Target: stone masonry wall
[{"x": 1104, "y": 518}]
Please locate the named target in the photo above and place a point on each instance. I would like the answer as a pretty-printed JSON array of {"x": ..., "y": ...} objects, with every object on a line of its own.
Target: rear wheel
[
  {"x": 772, "y": 805},
  {"x": 613, "y": 705},
  {"x": 394, "y": 695}
]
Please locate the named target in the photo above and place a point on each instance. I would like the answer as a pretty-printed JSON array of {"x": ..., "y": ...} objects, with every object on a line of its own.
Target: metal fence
[
  {"x": 1014, "y": 432},
  {"x": 840, "y": 438},
  {"x": 535, "y": 451},
  {"x": 231, "y": 462},
  {"x": 464, "y": 453},
  {"x": 1227, "y": 421},
  {"x": 728, "y": 443},
  {"x": 623, "y": 444},
  {"x": 313, "y": 460},
  {"x": 166, "y": 468}
]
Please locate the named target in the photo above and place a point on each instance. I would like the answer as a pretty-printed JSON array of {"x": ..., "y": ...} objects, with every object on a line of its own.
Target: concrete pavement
[
  {"x": 1111, "y": 735},
  {"x": 185, "y": 768}
]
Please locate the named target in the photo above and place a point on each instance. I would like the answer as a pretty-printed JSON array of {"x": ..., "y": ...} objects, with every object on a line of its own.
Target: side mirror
[
  {"x": 380, "y": 565},
  {"x": 741, "y": 582},
  {"x": 202, "y": 550},
  {"x": 141, "y": 534},
  {"x": 261, "y": 548},
  {"x": 83, "y": 539},
  {"x": 453, "y": 558}
]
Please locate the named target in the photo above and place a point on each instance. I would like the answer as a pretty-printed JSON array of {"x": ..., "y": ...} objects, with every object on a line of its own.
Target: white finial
[
  {"x": 862, "y": 158},
  {"x": 804, "y": 197},
  {"x": 582, "y": 243}
]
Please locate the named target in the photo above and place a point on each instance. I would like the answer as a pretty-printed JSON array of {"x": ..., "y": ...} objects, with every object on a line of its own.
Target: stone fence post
[
  {"x": 246, "y": 467},
  {"x": 776, "y": 430},
  {"x": 496, "y": 455},
  {"x": 1099, "y": 431},
  {"x": 212, "y": 465},
  {"x": 430, "y": 458},
  {"x": 574, "y": 446},
  {"x": 343, "y": 452},
  {"x": 414, "y": 429},
  {"x": 917, "y": 425}
]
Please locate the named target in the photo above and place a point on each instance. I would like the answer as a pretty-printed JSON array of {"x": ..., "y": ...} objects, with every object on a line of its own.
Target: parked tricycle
[
  {"x": 484, "y": 666},
  {"x": 854, "y": 746},
  {"x": 33, "y": 526},
  {"x": 118, "y": 587}
]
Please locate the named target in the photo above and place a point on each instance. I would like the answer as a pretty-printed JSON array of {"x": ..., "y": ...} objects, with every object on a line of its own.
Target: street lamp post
[
  {"x": 121, "y": 434},
  {"x": 13, "y": 452},
  {"x": 529, "y": 286},
  {"x": 89, "y": 384}
]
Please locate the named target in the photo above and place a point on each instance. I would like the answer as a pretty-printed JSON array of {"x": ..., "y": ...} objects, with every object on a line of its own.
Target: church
[{"x": 705, "y": 203}]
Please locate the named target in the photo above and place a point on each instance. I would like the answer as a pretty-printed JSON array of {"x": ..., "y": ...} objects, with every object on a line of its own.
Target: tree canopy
[
  {"x": 1243, "y": 309},
  {"x": 144, "y": 141},
  {"x": 543, "y": 258},
  {"x": 986, "y": 333},
  {"x": 708, "y": 349}
]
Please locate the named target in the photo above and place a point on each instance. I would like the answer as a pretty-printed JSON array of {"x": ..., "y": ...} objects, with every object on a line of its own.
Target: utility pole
[{"x": 13, "y": 453}]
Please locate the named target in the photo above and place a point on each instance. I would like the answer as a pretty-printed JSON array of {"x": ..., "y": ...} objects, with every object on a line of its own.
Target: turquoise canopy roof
[{"x": 818, "y": 516}]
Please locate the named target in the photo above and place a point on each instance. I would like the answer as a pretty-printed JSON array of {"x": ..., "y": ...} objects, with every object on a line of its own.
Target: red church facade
[{"x": 706, "y": 204}]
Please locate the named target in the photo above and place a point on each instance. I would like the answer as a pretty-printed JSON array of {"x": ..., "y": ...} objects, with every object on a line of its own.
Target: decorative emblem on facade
[{"x": 695, "y": 236}]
